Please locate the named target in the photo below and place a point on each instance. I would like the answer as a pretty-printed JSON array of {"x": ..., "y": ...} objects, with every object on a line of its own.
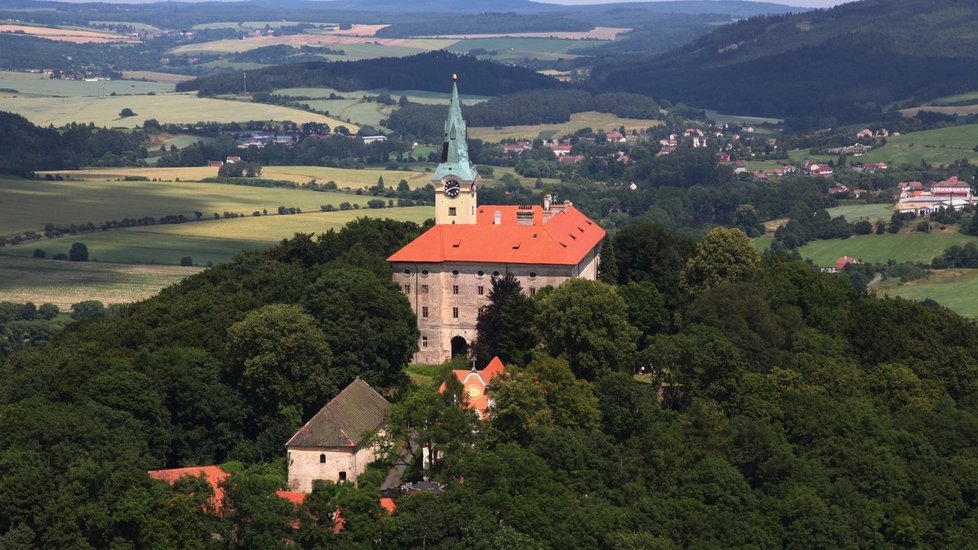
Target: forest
[
  {"x": 25, "y": 147},
  {"x": 429, "y": 71},
  {"x": 526, "y": 107},
  {"x": 483, "y": 23},
  {"x": 784, "y": 408},
  {"x": 789, "y": 65}
]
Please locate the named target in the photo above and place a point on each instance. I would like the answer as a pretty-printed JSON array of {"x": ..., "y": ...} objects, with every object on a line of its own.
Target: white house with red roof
[
  {"x": 949, "y": 193},
  {"x": 447, "y": 272}
]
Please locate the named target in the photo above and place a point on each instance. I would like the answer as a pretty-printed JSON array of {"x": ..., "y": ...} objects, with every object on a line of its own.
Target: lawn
[
  {"x": 175, "y": 108},
  {"x": 345, "y": 178},
  {"x": 956, "y": 289},
  {"x": 212, "y": 241},
  {"x": 27, "y": 205},
  {"x": 955, "y": 99},
  {"x": 855, "y": 212},
  {"x": 902, "y": 247},
  {"x": 37, "y": 85},
  {"x": 941, "y": 146},
  {"x": 67, "y": 283},
  {"x": 593, "y": 120}
]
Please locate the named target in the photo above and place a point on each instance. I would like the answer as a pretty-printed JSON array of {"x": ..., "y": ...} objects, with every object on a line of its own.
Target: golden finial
[{"x": 454, "y": 77}]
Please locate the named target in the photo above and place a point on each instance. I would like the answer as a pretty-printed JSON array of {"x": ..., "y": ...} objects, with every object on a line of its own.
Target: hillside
[
  {"x": 849, "y": 62},
  {"x": 429, "y": 72}
]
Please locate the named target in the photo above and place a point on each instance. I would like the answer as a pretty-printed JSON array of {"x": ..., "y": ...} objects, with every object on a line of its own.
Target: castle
[{"x": 447, "y": 272}]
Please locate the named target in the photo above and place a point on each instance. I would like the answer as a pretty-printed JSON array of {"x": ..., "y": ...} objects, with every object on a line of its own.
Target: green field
[
  {"x": 27, "y": 205},
  {"x": 175, "y": 108},
  {"x": 212, "y": 241},
  {"x": 38, "y": 85},
  {"x": 956, "y": 289},
  {"x": 345, "y": 178},
  {"x": 941, "y": 146},
  {"x": 902, "y": 247},
  {"x": 870, "y": 212},
  {"x": 246, "y": 25},
  {"x": 65, "y": 283},
  {"x": 519, "y": 49},
  {"x": 593, "y": 120},
  {"x": 356, "y": 111}
]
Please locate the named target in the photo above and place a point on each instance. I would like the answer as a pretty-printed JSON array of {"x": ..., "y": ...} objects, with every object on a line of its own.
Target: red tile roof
[
  {"x": 388, "y": 504},
  {"x": 565, "y": 239},
  {"x": 295, "y": 497},
  {"x": 474, "y": 384},
  {"x": 214, "y": 474}
]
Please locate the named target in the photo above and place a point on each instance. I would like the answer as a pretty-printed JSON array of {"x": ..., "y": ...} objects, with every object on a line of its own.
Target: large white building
[{"x": 447, "y": 272}]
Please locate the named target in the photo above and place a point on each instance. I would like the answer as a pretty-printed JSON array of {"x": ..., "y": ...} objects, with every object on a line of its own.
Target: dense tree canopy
[{"x": 779, "y": 407}]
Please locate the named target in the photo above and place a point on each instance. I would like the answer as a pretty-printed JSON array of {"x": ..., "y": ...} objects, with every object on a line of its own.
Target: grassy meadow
[
  {"x": 596, "y": 121},
  {"x": 902, "y": 247},
  {"x": 27, "y": 205},
  {"x": 67, "y": 283},
  {"x": 39, "y": 85},
  {"x": 956, "y": 289},
  {"x": 173, "y": 108},
  {"x": 210, "y": 241},
  {"x": 941, "y": 146},
  {"x": 856, "y": 212}
]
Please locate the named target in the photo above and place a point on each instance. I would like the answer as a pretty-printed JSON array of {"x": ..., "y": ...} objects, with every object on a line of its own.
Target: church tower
[{"x": 456, "y": 179}]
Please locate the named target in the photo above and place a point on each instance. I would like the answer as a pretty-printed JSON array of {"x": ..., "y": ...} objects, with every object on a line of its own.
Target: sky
[{"x": 800, "y": 3}]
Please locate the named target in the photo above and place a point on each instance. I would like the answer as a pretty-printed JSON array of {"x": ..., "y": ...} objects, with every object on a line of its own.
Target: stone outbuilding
[{"x": 331, "y": 446}]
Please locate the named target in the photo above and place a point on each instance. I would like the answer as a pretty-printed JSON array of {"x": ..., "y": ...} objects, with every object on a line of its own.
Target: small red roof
[
  {"x": 842, "y": 262},
  {"x": 295, "y": 497},
  {"x": 214, "y": 474},
  {"x": 474, "y": 384},
  {"x": 565, "y": 239},
  {"x": 388, "y": 504}
]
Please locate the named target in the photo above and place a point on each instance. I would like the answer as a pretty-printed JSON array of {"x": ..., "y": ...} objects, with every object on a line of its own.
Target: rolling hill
[{"x": 848, "y": 63}]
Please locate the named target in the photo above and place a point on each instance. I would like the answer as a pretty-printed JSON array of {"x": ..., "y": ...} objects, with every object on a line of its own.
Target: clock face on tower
[{"x": 452, "y": 188}]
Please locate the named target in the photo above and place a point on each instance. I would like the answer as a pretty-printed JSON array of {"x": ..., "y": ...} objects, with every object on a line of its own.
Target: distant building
[
  {"x": 373, "y": 139},
  {"x": 949, "y": 193},
  {"x": 476, "y": 386},
  {"x": 330, "y": 446}
]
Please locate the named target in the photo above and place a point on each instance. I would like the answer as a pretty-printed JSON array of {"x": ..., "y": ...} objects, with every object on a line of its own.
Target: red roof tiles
[
  {"x": 214, "y": 474},
  {"x": 565, "y": 239}
]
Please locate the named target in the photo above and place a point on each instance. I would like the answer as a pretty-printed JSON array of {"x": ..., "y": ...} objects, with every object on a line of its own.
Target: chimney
[
  {"x": 524, "y": 215},
  {"x": 546, "y": 202},
  {"x": 497, "y": 218}
]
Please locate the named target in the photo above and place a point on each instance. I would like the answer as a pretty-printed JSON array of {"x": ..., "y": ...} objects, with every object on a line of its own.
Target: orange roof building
[
  {"x": 476, "y": 386},
  {"x": 214, "y": 474},
  {"x": 447, "y": 272}
]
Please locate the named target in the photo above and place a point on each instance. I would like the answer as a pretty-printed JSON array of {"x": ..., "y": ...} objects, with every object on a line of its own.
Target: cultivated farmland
[
  {"x": 175, "y": 108},
  {"x": 66, "y": 283},
  {"x": 212, "y": 241},
  {"x": 596, "y": 121},
  {"x": 39, "y": 85},
  {"x": 344, "y": 177},
  {"x": 27, "y": 205}
]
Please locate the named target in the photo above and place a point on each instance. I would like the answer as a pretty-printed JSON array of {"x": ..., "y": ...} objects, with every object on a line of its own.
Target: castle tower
[{"x": 455, "y": 179}]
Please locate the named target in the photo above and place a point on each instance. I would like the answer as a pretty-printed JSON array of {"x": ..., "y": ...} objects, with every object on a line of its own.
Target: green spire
[{"x": 454, "y": 150}]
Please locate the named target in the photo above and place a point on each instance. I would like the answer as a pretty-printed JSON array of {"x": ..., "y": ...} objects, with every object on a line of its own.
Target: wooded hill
[
  {"x": 850, "y": 62},
  {"x": 429, "y": 71}
]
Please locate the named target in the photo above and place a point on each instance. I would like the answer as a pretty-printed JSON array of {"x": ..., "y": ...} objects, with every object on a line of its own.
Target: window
[
  {"x": 455, "y": 272},
  {"x": 407, "y": 271},
  {"x": 424, "y": 341},
  {"x": 454, "y": 289},
  {"x": 424, "y": 289},
  {"x": 495, "y": 274},
  {"x": 424, "y": 272},
  {"x": 533, "y": 275},
  {"x": 481, "y": 290},
  {"x": 407, "y": 289},
  {"x": 322, "y": 459},
  {"x": 451, "y": 210},
  {"x": 424, "y": 312},
  {"x": 454, "y": 313},
  {"x": 533, "y": 291},
  {"x": 342, "y": 476},
  {"x": 481, "y": 273}
]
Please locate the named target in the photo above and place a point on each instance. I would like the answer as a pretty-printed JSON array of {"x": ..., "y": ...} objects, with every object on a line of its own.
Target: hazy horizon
[{"x": 795, "y": 3}]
